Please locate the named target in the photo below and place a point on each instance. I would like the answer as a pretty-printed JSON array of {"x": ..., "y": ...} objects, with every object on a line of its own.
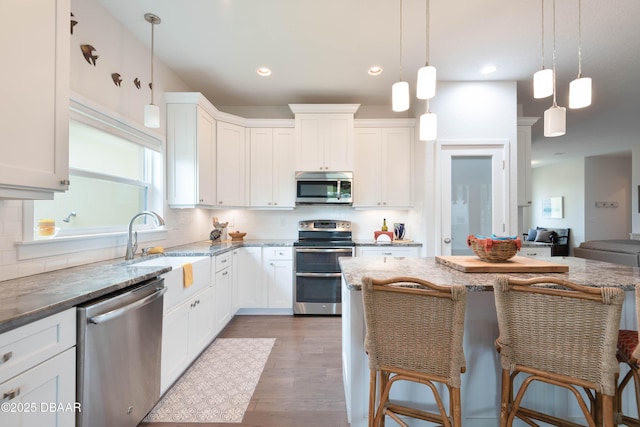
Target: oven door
[{"x": 318, "y": 282}]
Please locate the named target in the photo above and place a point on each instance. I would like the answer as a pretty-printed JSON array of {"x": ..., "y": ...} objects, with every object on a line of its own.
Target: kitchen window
[{"x": 115, "y": 172}]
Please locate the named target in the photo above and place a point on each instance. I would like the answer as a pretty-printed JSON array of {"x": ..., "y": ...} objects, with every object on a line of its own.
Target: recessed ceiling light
[
  {"x": 375, "y": 70},
  {"x": 488, "y": 69},
  {"x": 263, "y": 71}
]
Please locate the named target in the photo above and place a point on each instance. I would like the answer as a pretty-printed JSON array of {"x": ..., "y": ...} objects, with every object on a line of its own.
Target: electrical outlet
[
  {"x": 600, "y": 204},
  {"x": 231, "y": 223}
]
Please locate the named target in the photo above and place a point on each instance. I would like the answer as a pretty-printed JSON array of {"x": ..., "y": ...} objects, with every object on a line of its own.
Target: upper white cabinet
[
  {"x": 272, "y": 168},
  {"x": 230, "y": 165},
  {"x": 34, "y": 117},
  {"x": 324, "y": 136},
  {"x": 191, "y": 155},
  {"x": 383, "y": 167},
  {"x": 524, "y": 159}
]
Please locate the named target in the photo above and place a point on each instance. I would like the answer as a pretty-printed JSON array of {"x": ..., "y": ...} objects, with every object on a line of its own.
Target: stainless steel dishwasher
[{"x": 119, "y": 339}]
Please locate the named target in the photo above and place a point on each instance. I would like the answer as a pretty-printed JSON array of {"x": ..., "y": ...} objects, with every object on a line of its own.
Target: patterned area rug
[{"x": 217, "y": 388}]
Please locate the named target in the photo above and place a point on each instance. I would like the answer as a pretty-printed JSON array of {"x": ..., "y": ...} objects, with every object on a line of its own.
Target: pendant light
[
  {"x": 426, "y": 85},
  {"x": 555, "y": 118},
  {"x": 543, "y": 79},
  {"x": 152, "y": 111},
  {"x": 428, "y": 125},
  {"x": 580, "y": 88},
  {"x": 400, "y": 90}
]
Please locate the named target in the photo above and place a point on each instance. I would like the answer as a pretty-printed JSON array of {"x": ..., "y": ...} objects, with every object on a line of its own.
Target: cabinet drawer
[
  {"x": 223, "y": 261},
  {"x": 387, "y": 251},
  {"x": 277, "y": 253},
  {"x": 31, "y": 344}
]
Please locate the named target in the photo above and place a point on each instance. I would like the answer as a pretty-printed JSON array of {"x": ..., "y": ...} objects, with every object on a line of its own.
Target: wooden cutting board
[{"x": 517, "y": 264}]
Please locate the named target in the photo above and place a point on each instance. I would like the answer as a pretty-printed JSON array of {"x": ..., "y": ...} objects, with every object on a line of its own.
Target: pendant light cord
[
  {"x": 427, "y": 37},
  {"x": 554, "y": 54},
  {"x": 579, "y": 38},
  {"x": 152, "y": 44},
  {"x": 400, "y": 40},
  {"x": 542, "y": 38}
]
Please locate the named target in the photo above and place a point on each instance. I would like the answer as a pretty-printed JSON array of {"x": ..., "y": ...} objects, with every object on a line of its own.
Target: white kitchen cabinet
[
  {"x": 186, "y": 330},
  {"x": 188, "y": 320},
  {"x": 230, "y": 165},
  {"x": 252, "y": 292},
  {"x": 524, "y": 159},
  {"x": 383, "y": 167},
  {"x": 278, "y": 270},
  {"x": 191, "y": 155},
  {"x": 223, "y": 291},
  {"x": 324, "y": 136},
  {"x": 272, "y": 168},
  {"x": 34, "y": 114},
  {"x": 37, "y": 371},
  {"x": 539, "y": 252},
  {"x": 388, "y": 250}
]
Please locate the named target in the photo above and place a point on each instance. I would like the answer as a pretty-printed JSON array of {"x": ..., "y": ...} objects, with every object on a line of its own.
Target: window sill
[{"x": 71, "y": 244}]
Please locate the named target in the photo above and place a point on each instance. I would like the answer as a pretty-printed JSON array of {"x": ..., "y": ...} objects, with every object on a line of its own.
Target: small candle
[{"x": 46, "y": 227}]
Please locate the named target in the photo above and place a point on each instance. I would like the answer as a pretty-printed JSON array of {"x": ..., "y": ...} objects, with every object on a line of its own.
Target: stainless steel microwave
[{"x": 324, "y": 188}]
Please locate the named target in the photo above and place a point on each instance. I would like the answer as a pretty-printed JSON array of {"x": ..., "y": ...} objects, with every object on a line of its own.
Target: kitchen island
[{"x": 481, "y": 381}]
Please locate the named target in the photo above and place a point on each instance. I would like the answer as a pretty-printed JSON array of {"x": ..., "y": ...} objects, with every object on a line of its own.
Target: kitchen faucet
[{"x": 132, "y": 241}]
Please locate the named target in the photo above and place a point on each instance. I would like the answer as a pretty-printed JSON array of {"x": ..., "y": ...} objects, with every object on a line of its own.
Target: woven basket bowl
[{"x": 501, "y": 250}]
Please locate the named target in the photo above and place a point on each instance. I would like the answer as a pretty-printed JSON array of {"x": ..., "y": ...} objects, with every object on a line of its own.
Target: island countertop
[{"x": 582, "y": 271}]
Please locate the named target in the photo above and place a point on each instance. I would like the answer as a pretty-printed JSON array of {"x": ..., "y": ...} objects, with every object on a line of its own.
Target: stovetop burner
[{"x": 324, "y": 233}]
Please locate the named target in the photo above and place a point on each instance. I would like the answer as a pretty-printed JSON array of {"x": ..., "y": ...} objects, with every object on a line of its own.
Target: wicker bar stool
[
  {"x": 629, "y": 353},
  {"x": 414, "y": 333},
  {"x": 562, "y": 336}
]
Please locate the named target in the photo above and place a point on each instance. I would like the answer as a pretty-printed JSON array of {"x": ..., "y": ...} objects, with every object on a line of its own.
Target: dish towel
[{"x": 187, "y": 273}]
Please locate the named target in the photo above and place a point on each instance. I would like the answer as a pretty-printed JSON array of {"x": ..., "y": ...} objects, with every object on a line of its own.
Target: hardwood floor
[{"x": 301, "y": 384}]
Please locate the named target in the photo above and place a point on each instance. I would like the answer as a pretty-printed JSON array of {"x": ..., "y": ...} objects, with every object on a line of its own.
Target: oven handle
[
  {"x": 318, "y": 274},
  {"x": 326, "y": 250}
]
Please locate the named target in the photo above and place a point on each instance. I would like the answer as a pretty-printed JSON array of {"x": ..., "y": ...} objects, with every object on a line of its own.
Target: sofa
[
  {"x": 618, "y": 251},
  {"x": 557, "y": 238}
]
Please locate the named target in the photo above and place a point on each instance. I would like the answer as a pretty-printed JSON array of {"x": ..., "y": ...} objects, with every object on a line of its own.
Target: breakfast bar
[{"x": 481, "y": 381}]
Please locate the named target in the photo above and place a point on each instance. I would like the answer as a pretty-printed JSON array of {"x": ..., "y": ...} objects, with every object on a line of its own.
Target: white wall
[
  {"x": 608, "y": 180},
  {"x": 566, "y": 180},
  {"x": 635, "y": 189}
]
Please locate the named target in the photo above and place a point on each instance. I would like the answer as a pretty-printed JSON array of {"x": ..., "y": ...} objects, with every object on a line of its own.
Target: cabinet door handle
[
  {"x": 225, "y": 273},
  {"x": 6, "y": 357},
  {"x": 11, "y": 394},
  {"x": 387, "y": 253}
]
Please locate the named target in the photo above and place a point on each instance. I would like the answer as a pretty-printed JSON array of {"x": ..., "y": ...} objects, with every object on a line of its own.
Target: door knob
[{"x": 447, "y": 240}]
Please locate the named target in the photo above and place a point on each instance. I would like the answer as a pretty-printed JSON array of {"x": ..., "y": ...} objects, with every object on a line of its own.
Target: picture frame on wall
[{"x": 552, "y": 207}]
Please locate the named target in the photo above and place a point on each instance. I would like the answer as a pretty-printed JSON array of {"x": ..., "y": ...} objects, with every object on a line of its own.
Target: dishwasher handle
[{"x": 127, "y": 308}]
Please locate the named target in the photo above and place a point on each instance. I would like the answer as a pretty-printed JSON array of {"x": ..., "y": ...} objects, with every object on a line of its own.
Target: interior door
[{"x": 473, "y": 194}]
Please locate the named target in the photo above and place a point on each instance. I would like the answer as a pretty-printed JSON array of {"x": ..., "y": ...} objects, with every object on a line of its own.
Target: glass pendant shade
[
  {"x": 426, "y": 86},
  {"x": 543, "y": 83},
  {"x": 152, "y": 116},
  {"x": 555, "y": 121},
  {"x": 580, "y": 92},
  {"x": 400, "y": 96},
  {"x": 428, "y": 127}
]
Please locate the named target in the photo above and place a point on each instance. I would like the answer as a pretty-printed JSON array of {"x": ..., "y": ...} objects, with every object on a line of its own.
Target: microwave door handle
[{"x": 339, "y": 189}]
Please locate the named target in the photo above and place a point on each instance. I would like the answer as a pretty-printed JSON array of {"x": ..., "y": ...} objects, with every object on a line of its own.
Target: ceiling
[{"x": 320, "y": 51}]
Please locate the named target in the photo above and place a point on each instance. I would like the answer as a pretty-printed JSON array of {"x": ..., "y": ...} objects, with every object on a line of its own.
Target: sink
[{"x": 167, "y": 261}]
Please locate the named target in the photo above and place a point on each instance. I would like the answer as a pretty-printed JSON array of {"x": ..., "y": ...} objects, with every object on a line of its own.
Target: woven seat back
[
  {"x": 417, "y": 331},
  {"x": 563, "y": 335}
]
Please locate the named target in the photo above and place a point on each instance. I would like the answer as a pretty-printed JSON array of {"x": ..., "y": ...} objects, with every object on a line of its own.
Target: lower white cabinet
[
  {"x": 541, "y": 252},
  {"x": 223, "y": 291},
  {"x": 252, "y": 293},
  {"x": 397, "y": 251},
  {"x": 186, "y": 330},
  {"x": 38, "y": 373},
  {"x": 188, "y": 320},
  {"x": 278, "y": 274}
]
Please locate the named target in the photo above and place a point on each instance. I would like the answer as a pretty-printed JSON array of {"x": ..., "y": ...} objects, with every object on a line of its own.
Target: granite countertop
[
  {"x": 393, "y": 243},
  {"x": 31, "y": 298},
  {"x": 582, "y": 271}
]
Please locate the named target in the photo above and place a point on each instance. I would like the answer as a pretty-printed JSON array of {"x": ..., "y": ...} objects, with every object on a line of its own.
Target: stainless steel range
[{"x": 317, "y": 281}]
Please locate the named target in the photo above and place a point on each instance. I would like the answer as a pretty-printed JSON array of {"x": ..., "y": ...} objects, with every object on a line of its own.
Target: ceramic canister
[{"x": 398, "y": 231}]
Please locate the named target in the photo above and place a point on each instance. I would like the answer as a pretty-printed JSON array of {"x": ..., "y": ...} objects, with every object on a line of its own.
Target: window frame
[{"x": 91, "y": 114}]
